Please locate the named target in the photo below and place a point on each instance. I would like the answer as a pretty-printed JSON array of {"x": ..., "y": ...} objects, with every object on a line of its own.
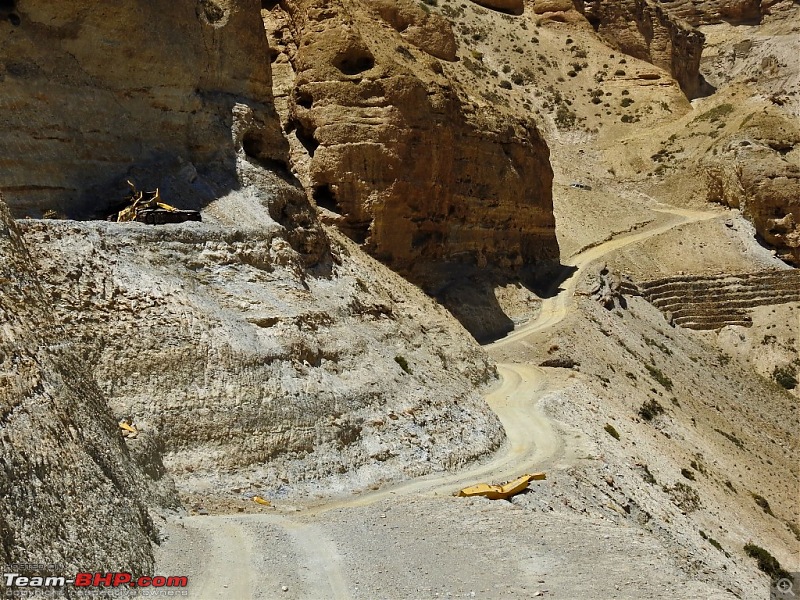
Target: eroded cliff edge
[{"x": 433, "y": 185}]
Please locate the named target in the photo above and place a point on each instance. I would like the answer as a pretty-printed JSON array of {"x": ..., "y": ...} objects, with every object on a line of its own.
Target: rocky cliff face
[
  {"x": 251, "y": 349},
  {"x": 251, "y": 370},
  {"x": 70, "y": 490},
  {"x": 649, "y": 31},
  {"x": 93, "y": 95},
  {"x": 705, "y": 12},
  {"x": 758, "y": 172},
  {"x": 427, "y": 183}
]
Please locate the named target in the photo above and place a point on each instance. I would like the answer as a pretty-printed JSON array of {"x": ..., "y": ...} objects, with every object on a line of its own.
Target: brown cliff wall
[
  {"x": 426, "y": 183},
  {"x": 647, "y": 30},
  {"x": 92, "y": 93}
]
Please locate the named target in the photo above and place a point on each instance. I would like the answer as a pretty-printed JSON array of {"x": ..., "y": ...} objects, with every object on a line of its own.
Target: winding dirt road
[{"x": 227, "y": 548}]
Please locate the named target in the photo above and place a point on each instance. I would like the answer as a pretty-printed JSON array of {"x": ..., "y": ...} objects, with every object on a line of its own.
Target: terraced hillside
[{"x": 712, "y": 302}]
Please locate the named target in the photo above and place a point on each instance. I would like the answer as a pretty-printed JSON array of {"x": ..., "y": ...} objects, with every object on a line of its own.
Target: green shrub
[
  {"x": 656, "y": 374},
  {"x": 766, "y": 562},
  {"x": 611, "y": 430},
  {"x": 785, "y": 377},
  {"x": 626, "y": 102},
  {"x": 762, "y": 502},
  {"x": 505, "y": 84},
  {"x": 650, "y": 410},
  {"x": 403, "y": 363},
  {"x": 688, "y": 474}
]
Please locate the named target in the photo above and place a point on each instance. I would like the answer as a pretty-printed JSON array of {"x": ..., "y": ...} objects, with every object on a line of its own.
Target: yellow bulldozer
[{"x": 151, "y": 209}]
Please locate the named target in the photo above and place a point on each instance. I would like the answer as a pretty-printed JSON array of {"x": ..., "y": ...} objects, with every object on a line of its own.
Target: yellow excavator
[{"x": 151, "y": 209}]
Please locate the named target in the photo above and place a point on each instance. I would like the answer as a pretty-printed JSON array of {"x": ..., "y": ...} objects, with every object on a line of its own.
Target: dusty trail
[{"x": 226, "y": 543}]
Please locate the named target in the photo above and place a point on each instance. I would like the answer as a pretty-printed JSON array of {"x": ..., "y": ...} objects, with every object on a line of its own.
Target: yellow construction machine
[
  {"x": 504, "y": 491},
  {"x": 151, "y": 209}
]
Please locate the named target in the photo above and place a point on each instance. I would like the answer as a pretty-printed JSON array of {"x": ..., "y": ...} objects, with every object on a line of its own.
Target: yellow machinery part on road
[{"x": 501, "y": 492}]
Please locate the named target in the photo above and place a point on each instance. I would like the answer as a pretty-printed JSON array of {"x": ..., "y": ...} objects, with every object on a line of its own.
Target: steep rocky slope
[
  {"x": 67, "y": 476},
  {"x": 253, "y": 350},
  {"x": 217, "y": 340}
]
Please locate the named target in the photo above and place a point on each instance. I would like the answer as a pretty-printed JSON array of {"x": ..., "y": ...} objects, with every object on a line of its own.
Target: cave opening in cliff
[
  {"x": 354, "y": 61},
  {"x": 269, "y": 4},
  {"x": 324, "y": 197},
  {"x": 306, "y": 138}
]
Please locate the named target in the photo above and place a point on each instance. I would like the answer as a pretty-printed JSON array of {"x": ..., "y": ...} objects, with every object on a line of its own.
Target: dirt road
[{"x": 255, "y": 556}]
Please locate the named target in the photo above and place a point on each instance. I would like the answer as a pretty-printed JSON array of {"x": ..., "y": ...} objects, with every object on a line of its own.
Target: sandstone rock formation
[
  {"x": 70, "y": 491},
  {"x": 218, "y": 342},
  {"x": 92, "y": 96},
  {"x": 428, "y": 31},
  {"x": 754, "y": 172},
  {"x": 705, "y": 12},
  {"x": 647, "y": 30},
  {"x": 428, "y": 184}
]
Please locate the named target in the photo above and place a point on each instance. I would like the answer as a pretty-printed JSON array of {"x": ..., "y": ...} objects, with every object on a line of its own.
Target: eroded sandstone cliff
[
  {"x": 92, "y": 94},
  {"x": 649, "y": 31},
  {"x": 431, "y": 185},
  {"x": 756, "y": 173}
]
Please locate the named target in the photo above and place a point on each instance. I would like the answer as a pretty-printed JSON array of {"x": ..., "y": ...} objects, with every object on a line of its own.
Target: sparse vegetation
[
  {"x": 687, "y": 473},
  {"x": 762, "y": 502},
  {"x": 766, "y": 562},
  {"x": 611, "y": 430},
  {"x": 683, "y": 496},
  {"x": 648, "y": 476},
  {"x": 400, "y": 360},
  {"x": 715, "y": 113},
  {"x": 736, "y": 441},
  {"x": 713, "y": 542},
  {"x": 785, "y": 377},
  {"x": 650, "y": 410},
  {"x": 656, "y": 374}
]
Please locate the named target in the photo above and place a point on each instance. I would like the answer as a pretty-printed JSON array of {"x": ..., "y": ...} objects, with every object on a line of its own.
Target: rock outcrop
[
  {"x": 93, "y": 95},
  {"x": 754, "y": 173},
  {"x": 428, "y": 184},
  {"x": 649, "y": 31},
  {"x": 250, "y": 369},
  {"x": 707, "y": 12},
  {"x": 71, "y": 492}
]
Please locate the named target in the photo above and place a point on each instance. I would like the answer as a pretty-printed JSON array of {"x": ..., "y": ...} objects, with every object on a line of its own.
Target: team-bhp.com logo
[{"x": 93, "y": 581}]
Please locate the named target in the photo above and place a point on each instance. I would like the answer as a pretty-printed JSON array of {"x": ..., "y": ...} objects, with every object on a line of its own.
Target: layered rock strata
[
  {"x": 94, "y": 95},
  {"x": 250, "y": 369},
  {"x": 71, "y": 492},
  {"x": 429, "y": 185},
  {"x": 649, "y": 31}
]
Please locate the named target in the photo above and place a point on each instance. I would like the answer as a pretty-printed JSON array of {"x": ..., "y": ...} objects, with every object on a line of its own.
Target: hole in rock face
[
  {"x": 212, "y": 11},
  {"x": 304, "y": 99},
  {"x": 323, "y": 196},
  {"x": 14, "y": 20},
  {"x": 306, "y": 138},
  {"x": 7, "y": 6},
  {"x": 269, "y": 4},
  {"x": 355, "y": 61},
  {"x": 252, "y": 145}
]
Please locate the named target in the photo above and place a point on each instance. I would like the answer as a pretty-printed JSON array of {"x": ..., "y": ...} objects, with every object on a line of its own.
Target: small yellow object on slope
[
  {"x": 128, "y": 430},
  {"x": 502, "y": 492},
  {"x": 260, "y": 500}
]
